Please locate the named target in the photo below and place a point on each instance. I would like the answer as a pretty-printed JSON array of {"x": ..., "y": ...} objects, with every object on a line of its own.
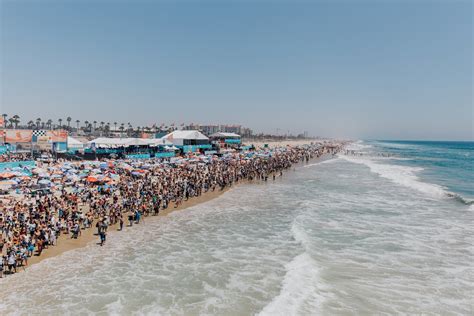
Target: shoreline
[
  {"x": 65, "y": 243},
  {"x": 89, "y": 235}
]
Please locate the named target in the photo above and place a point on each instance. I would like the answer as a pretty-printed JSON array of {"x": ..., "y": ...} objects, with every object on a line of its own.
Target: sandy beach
[{"x": 281, "y": 143}]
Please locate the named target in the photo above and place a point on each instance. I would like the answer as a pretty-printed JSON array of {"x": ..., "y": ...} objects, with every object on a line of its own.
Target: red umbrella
[{"x": 92, "y": 179}]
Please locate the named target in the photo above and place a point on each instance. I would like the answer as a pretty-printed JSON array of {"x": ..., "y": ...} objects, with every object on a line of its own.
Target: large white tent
[
  {"x": 73, "y": 143},
  {"x": 224, "y": 135},
  {"x": 157, "y": 142},
  {"x": 105, "y": 142},
  {"x": 181, "y": 138}
]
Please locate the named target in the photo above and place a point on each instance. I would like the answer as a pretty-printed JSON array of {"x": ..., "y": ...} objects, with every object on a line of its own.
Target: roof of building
[
  {"x": 223, "y": 134},
  {"x": 74, "y": 143},
  {"x": 191, "y": 134},
  {"x": 125, "y": 142}
]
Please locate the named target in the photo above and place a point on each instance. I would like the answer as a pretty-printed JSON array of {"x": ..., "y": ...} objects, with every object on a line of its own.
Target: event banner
[
  {"x": 18, "y": 136},
  {"x": 58, "y": 136}
]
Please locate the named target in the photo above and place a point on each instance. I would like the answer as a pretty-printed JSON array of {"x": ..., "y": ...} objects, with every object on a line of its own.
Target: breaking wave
[
  {"x": 406, "y": 176},
  {"x": 302, "y": 288}
]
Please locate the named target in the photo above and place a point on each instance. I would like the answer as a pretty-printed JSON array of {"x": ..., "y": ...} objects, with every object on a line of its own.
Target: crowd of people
[
  {"x": 122, "y": 191},
  {"x": 13, "y": 157}
]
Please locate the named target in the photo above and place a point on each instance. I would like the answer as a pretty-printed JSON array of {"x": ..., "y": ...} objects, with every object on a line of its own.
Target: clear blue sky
[{"x": 360, "y": 69}]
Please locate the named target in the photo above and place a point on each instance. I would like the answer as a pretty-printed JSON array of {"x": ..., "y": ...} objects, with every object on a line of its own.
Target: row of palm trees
[{"x": 91, "y": 127}]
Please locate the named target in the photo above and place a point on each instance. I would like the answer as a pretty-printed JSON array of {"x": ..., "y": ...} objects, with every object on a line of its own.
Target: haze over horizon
[{"x": 362, "y": 69}]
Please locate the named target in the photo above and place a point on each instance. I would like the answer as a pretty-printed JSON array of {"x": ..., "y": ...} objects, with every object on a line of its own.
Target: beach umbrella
[
  {"x": 7, "y": 184},
  {"x": 38, "y": 170},
  {"x": 44, "y": 182},
  {"x": 106, "y": 179},
  {"x": 7, "y": 175},
  {"x": 115, "y": 176},
  {"x": 92, "y": 179}
]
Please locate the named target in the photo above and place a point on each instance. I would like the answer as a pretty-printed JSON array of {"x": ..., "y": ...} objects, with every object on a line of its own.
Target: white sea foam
[
  {"x": 299, "y": 292},
  {"x": 402, "y": 175},
  {"x": 358, "y": 146},
  {"x": 301, "y": 285}
]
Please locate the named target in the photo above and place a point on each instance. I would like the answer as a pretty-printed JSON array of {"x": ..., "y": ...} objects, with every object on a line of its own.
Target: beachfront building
[
  {"x": 210, "y": 129},
  {"x": 188, "y": 140},
  {"x": 236, "y": 129}
]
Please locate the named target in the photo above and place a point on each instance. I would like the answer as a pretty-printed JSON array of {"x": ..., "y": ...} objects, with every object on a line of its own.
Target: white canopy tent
[
  {"x": 157, "y": 142},
  {"x": 179, "y": 138},
  {"x": 73, "y": 143},
  {"x": 105, "y": 142},
  {"x": 224, "y": 135}
]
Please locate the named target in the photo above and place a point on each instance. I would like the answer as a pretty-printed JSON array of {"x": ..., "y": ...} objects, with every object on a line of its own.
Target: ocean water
[{"x": 360, "y": 235}]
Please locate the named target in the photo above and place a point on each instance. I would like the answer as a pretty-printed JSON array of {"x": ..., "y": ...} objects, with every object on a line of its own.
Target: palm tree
[
  {"x": 101, "y": 127},
  {"x": 4, "y": 119},
  {"x": 86, "y": 123},
  {"x": 60, "y": 123},
  {"x": 49, "y": 123},
  {"x": 115, "y": 124},
  {"x": 122, "y": 127},
  {"x": 38, "y": 122},
  {"x": 12, "y": 121},
  {"x": 16, "y": 120},
  {"x": 95, "y": 123},
  {"x": 77, "y": 124},
  {"x": 68, "y": 119},
  {"x": 31, "y": 124}
]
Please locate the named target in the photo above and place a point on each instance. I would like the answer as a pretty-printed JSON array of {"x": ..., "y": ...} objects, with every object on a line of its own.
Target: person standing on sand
[
  {"x": 121, "y": 222},
  {"x": 2, "y": 264},
  {"x": 102, "y": 233},
  {"x": 137, "y": 216}
]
